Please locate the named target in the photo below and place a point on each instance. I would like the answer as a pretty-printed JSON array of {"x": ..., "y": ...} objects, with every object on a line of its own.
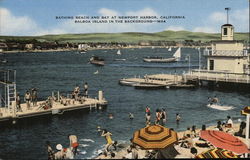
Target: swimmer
[
  {"x": 99, "y": 129},
  {"x": 111, "y": 116},
  {"x": 131, "y": 116}
]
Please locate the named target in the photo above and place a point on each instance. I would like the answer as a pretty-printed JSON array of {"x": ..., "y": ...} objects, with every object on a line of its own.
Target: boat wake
[
  {"x": 220, "y": 107},
  {"x": 83, "y": 152},
  {"x": 87, "y": 140},
  {"x": 84, "y": 145}
]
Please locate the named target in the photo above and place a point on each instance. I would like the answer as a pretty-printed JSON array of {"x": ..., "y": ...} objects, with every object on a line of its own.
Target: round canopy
[
  {"x": 225, "y": 141},
  {"x": 155, "y": 137},
  {"x": 217, "y": 153}
]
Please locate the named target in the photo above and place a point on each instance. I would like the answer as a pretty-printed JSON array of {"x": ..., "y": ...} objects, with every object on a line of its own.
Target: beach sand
[{"x": 184, "y": 152}]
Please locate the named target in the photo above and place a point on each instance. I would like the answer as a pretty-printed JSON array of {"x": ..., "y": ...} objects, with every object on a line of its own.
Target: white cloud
[
  {"x": 15, "y": 25},
  {"x": 218, "y": 17},
  {"x": 143, "y": 12},
  {"x": 69, "y": 26},
  {"x": 238, "y": 18},
  {"x": 24, "y": 25},
  {"x": 108, "y": 12},
  {"x": 205, "y": 29},
  {"x": 175, "y": 28}
]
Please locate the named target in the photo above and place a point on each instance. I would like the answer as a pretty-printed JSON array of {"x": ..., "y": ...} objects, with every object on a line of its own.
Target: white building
[
  {"x": 228, "y": 55},
  {"x": 228, "y": 61}
]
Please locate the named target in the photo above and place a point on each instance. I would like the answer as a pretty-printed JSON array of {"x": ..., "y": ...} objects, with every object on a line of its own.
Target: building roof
[{"x": 227, "y": 25}]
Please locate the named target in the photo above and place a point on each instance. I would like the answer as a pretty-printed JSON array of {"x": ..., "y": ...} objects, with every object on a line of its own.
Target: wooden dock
[{"x": 53, "y": 107}]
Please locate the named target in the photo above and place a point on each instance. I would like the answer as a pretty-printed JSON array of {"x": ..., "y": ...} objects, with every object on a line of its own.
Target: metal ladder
[{"x": 11, "y": 96}]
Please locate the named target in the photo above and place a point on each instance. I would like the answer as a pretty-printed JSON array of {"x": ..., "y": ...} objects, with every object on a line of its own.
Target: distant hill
[{"x": 129, "y": 37}]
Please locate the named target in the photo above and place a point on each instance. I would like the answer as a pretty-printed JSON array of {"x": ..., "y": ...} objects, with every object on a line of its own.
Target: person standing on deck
[
  {"x": 27, "y": 98},
  {"x": 76, "y": 92},
  {"x": 18, "y": 103},
  {"x": 34, "y": 96},
  {"x": 85, "y": 87},
  {"x": 73, "y": 143}
]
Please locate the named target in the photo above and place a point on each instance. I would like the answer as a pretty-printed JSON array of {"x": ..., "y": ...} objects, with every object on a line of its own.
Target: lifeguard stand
[{"x": 8, "y": 89}]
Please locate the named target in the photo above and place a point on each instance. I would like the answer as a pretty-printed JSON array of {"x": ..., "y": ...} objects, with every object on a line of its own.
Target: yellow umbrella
[
  {"x": 155, "y": 137},
  {"x": 217, "y": 153}
]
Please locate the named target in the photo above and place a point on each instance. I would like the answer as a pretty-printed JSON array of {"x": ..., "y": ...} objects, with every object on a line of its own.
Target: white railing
[
  {"x": 220, "y": 76},
  {"x": 225, "y": 52}
]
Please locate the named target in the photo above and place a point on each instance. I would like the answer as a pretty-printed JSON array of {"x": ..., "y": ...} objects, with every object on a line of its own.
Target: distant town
[{"x": 35, "y": 45}]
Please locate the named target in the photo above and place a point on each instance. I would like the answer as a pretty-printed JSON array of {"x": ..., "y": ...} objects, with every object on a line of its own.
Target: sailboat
[
  {"x": 170, "y": 49},
  {"x": 119, "y": 52},
  {"x": 176, "y": 57}
]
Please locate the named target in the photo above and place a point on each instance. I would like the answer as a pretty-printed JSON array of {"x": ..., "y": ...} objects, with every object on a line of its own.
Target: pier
[
  {"x": 54, "y": 107},
  {"x": 216, "y": 76},
  {"x": 55, "y": 104}
]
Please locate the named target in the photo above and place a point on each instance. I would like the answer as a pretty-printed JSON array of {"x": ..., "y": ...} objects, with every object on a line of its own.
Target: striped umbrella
[
  {"x": 155, "y": 137},
  {"x": 217, "y": 153},
  {"x": 225, "y": 141}
]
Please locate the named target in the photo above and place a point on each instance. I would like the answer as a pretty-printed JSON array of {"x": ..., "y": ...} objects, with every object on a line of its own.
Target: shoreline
[
  {"x": 184, "y": 152},
  {"x": 108, "y": 48}
]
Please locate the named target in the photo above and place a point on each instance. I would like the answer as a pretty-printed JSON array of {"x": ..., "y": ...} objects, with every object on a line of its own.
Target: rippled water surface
[{"x": 63, "y": 70}]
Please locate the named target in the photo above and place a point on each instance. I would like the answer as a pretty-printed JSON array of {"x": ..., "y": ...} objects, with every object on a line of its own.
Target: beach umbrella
[
  {"x": 225, "y": 141},
  {"x": 155, "y": 137},
  {"x": 217, "y": 153}
]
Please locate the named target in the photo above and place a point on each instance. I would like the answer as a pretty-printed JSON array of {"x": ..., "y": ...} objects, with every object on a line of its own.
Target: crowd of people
[
  {"x": 160, "y": 116},
  {"x": 76, "y": 92},
  {"x": 189, "y": 141},
  {"x": 31, "y": 97}
]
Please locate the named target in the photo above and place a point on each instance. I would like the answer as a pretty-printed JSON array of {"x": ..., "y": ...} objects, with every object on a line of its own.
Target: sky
[{"x": 38, "y": 17}]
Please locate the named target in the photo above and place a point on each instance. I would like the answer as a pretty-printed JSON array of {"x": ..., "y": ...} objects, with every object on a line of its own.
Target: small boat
[
  {"x": 118, "y": 52},
  {"x": 3, "y": 61},
  {"x": 170, "y": 49},
  {"x": 82, "y": 51},
  {"x": 96, "y": 72},
  {"x": 127, "y": 83},
  {"x": 122, "y": 59},
  {"x": 149, "y": 86},
  {"x": 97, "y": 61},
  {"x": 176, "y": 57}
]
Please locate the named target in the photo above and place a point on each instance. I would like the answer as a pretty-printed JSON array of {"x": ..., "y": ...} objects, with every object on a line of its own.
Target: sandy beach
[{"x": 183, "y": 152}]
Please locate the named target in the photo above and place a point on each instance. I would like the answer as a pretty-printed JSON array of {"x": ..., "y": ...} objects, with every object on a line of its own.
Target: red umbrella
[{"x": 225, "y": 141}]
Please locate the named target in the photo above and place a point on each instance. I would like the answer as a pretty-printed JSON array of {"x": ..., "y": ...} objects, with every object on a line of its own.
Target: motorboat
[
  {"x": 176, "y": 57},
  {"x": 127, "y": 83},
  {"x": 97, "y": 61},
  {"x": 121, "y": 59}
]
